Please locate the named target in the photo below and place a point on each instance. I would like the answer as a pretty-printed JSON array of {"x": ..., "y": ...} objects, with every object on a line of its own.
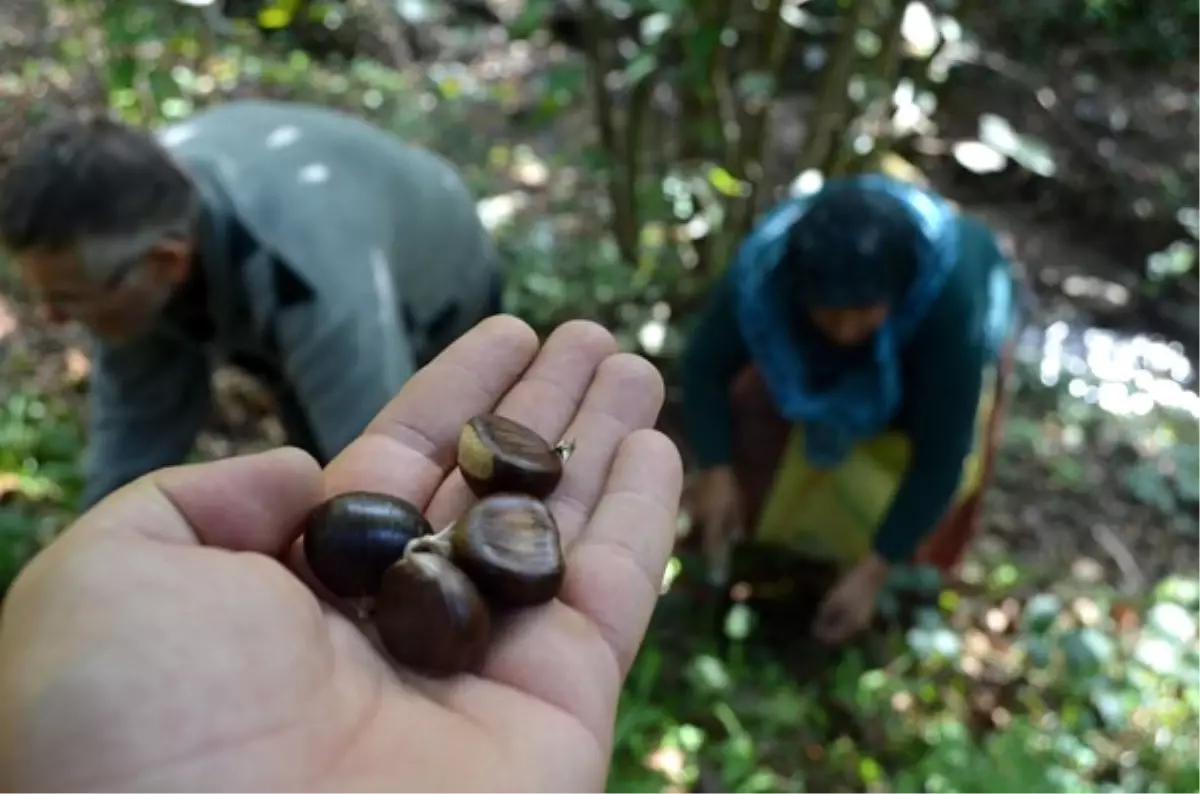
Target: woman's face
[{"x": 850, "y": 327}]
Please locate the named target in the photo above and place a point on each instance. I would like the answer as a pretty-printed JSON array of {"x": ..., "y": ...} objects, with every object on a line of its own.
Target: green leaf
[
  {"x": 738, "y": 622},
  {"x": 1040, "y": 612},
  {"x": 122, "y": 72},
  {"x": 1172, "y": 621},
  {"x": 726, "y": 183},
  {"x": 529, "y": 21},
  {"x": 1158, "y": 654},
  {"x": 870, "y": 771},
  {"x": 1110, "y": 705},
  {"x": 641, "y": 67},
  {"x": 1038, "y": 651},
  {"x": 1179, "y": 590},
  {"x": 274, "y": 18},
  {"x": 934, "y": 643},
  {"x": 1087, "y": 650},
  {"x": 755, "y": 86},
  {"x": 708, "y": 672}
]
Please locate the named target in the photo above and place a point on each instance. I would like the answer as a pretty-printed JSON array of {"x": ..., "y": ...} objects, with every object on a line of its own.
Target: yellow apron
[{"x": 833, "y": 514}]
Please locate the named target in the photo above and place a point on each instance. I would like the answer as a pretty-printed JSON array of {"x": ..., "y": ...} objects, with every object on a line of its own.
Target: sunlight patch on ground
[
  {"x": 1076, "y": 286},
  {"x": 670, "y": 761},
  {"x": 919, "y": 29},
  {"x": 1125, "y": 375},
  {"x": 979, "y": 158},
  {"x": 78, "y": 365},
  {"x": 529, "y": 169},
  {"x": 500, "y": 210}
]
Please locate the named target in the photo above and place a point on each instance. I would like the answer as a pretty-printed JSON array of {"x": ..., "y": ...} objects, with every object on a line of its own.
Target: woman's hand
[
  {"x": 719, "y": 515},
  {"x": 163, "y": 642},
  {"x": 849, "y": 606}
]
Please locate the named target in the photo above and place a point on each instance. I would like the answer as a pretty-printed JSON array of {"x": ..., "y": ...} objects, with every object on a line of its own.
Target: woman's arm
[
  {"x": 943, "y": 378},
  {"x": 715, "y": 353},
  {"x": 942, "y": 387}
]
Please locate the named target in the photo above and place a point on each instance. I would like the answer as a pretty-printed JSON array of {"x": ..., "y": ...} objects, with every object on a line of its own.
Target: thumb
[{"x": 253, "y": 503}]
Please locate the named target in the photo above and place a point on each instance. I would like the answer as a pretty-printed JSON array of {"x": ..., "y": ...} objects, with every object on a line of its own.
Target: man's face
[
  {"x": 115, "y": 309},
  {"x": 850, "y": 327}
]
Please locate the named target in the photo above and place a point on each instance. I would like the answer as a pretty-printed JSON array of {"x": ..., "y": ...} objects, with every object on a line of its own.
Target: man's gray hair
[
  {"x": 106, "y": 189},
  {"x": 104, "y": 256}
]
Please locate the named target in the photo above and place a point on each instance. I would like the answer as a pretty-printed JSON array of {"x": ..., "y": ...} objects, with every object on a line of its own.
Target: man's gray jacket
[{"x": 329, "y": 248}]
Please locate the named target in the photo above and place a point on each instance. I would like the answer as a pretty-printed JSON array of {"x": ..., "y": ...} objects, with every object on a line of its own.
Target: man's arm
[
  {"x": 344, "y": 368},
  {"x": 147, "y": 401}
]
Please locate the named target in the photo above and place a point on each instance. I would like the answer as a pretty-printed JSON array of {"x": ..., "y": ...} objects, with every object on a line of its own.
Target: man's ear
[{"x": 171, "y": 260}]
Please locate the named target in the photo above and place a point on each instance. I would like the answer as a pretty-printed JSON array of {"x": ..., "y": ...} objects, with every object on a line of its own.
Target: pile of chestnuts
[{"x": 431, "y": 596}]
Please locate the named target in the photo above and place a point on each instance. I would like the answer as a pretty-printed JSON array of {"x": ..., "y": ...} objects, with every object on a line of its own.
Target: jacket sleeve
[
  {"x": 944, "y": 382},
  {"x": 344, "y": 358},
  {"x": 147, "y": 401},
  {"x": 715, "y": 353}
]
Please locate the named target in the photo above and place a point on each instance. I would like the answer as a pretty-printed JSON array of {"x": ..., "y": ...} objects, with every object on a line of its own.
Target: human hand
[
  {"x": 848, "y": 607},
  {"x": 719, "y": 517},
  {"x": 163, "y": 643}
]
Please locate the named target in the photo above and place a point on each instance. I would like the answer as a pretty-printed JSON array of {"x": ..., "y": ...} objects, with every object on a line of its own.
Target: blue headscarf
[{"x": 863, "y": 400}]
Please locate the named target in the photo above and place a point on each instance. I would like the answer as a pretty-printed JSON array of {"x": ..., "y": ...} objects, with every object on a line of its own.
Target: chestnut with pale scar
[{"x": 496, "y": 455}]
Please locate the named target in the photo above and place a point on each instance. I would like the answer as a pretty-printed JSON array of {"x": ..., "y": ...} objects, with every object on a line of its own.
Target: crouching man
[{"x": 320, "y": 254}]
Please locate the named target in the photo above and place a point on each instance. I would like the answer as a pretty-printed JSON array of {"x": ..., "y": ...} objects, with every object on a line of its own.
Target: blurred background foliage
[{"x": 620, "y": 150}]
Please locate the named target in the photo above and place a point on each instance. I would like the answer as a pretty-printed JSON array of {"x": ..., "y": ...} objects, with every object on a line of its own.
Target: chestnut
[
  {"x": 352, "y": 538},
  {"x": 509, "y": 545},
  {"x": 430, "y": 617},
  {"x": 496, "y": 454}
]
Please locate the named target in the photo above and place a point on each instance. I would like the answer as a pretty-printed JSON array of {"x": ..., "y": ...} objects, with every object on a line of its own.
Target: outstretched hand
[{"x": 167, "y": 642}]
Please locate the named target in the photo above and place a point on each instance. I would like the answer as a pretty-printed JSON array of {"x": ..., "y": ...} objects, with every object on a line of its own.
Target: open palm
[{"x": 166, "y": 641}]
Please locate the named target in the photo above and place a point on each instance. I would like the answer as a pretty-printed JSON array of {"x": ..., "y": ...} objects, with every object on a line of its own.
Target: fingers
[
  {"x": 623, "y": 551},
  {"x": 408, "y": 448},
  {"x": 592, "y": 632},
  {"x": 625, "y": 396},
  {"x": 828, "y": 626},
  {"x": 546, "y": 399},
  {"x": 615, "y": 571},
  {"x": 835, "y": 622},
  {"x": 824, "y": 621},
  {"x": 249, "y": 503}
]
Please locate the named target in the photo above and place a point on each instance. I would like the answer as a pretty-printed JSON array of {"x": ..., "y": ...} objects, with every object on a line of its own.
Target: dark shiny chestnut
[
  {"x": 430, "y": 616},
  {"x": 496, "y": 454},
  {"x": 352, "y": 538},
  {"x": 509, "y": 545}
]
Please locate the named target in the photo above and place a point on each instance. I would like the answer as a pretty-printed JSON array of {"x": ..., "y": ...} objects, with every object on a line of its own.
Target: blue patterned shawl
[{"x": 863, "y": 400}]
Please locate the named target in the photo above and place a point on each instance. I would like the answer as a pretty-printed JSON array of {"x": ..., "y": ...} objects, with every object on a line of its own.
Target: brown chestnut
[
  {"x": 352, "y": 538},
  {"x": 509, "y": 545},
  {"x": 430, "y": 617},
  {"x": 496, "y": 454}
]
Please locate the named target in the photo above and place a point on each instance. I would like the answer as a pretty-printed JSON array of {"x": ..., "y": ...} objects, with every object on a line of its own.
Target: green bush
[{"x": 40, "y": 481}]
